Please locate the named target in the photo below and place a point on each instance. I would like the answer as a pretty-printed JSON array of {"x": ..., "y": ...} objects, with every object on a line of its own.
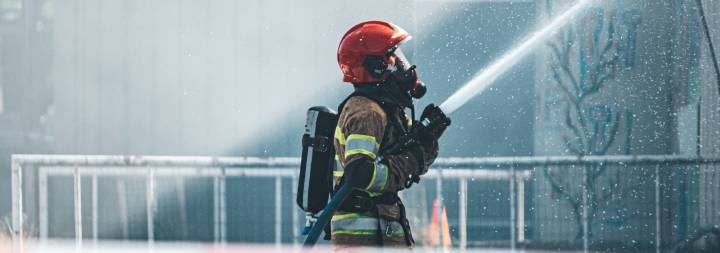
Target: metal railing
[
  {"x": 150, "y": 167},
  {"x": 515, "y": 170}
]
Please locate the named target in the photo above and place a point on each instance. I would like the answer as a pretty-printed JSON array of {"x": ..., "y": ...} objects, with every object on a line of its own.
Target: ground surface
[{"x": 181, "y": 247}]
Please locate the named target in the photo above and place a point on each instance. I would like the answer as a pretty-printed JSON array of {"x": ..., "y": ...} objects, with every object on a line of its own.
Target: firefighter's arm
[
  {"x": 411, "y": 162},
  {"x": 364, "y": 129},
  {"x": 364, "y": 168},
  {"x": 415, "y": 159},
  {"x": 361, "y": 135},
  {"x": 431, "y": 127},
  {"x": 406, "y": 164}
]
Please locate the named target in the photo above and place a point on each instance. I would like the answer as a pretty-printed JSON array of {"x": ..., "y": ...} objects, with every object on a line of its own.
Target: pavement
[{"x": 70, "y": 246}]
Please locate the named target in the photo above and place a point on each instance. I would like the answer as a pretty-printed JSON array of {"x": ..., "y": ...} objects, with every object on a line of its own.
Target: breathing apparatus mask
[{"x": 404, "y": 75}]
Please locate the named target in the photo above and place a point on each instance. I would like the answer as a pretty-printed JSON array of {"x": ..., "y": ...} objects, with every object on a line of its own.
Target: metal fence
[{"x": 525, "y": 182}]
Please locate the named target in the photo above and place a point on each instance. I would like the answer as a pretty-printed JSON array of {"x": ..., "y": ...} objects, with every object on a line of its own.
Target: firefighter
[{"x": 380, "y": 149}]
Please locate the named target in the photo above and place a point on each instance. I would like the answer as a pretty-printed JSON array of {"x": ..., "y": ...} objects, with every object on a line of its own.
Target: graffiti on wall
[{"x": 585, "y": 60}]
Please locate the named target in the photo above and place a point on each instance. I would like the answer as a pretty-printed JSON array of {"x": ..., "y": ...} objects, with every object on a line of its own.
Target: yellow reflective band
[
  {"x": 339, "y": 135},
  {"x": 373, "y": 194},
  {"x": 363, "y": 146},
  {"x": 353, "y": 232},
  {"x": 372, "y": 181},
  {"x": 368, "y": 138},
  {"x": 338, "y": 164},
  {"x": 379, "y": 178},
  {"x": 384, "y": 182},
  {"x": 339, "y": 171},
  {"x": 337, "y": 217},
  {"x": 357, "y": 224},
  {"x": 348, "y": 153},
  {"x": 395, "y": 233}
]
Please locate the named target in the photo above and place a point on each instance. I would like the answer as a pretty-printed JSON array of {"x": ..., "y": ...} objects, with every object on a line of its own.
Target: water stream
[{"x": 485, "y": 77}]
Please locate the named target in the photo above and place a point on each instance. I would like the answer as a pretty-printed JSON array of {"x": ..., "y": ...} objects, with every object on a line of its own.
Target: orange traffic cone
[
  {"x": 433, "y": 227},
  {"x": 439, "y": 226}
]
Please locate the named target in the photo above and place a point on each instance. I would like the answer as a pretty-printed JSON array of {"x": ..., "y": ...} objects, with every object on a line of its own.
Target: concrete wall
[
  {"x": 639, "y": 99},
  {"x": 709, "y": 178},
  {"x": 189, "y": 77},
  {"x": 26, "y": 90}
]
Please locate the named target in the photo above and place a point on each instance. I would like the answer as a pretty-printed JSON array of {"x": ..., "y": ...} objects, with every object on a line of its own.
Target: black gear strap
[
  {"x": 406, "y": 226},
  {"x": 320, "y": 143},
  {"x": 360, "y": 201}
]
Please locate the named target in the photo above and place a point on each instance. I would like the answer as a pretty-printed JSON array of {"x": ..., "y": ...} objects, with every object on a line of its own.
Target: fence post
[
  {"x": 657, "y": 209},
  {"x": 43, "y": 205},
  {"x": 223, "y": 206},
  {"x": 150, "y": 204},
  {"x": 94, "y": 204},
  {"x": 513, "y": 218},
  {"x": 520, "y": 208},
  {"x": 216, "y": 209},
  {"x": 278, "y": 210},
  {"x": 463, "y": 213},
  {"x": 585, "y": 224},
  {"x": 78, "y": 206},
  {"x": 17, "y": 204},
  {"x": 296, "y": 231}
]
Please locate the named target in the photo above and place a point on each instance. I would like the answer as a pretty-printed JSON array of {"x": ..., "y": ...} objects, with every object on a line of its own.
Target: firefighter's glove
[
  {"x": 433, "y": 123},
  {"x": 418, "y": 151},
  {"x": 358, "y": 173}
]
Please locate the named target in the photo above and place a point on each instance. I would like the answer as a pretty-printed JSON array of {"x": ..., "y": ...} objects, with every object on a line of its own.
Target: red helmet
[{"x": 364, "y": 50}]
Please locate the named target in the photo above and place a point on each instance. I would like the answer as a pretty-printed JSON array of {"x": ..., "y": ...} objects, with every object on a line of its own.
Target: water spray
[{"x": 485, "y": 77}]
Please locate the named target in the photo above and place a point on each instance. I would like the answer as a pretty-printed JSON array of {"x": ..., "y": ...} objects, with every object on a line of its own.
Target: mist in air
[
  {"x": 230, "y": 78},
  {"x": 527, "y": 83}
]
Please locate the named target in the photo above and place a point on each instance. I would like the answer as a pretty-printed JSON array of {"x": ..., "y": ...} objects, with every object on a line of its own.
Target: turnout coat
[{"x": 364, "y": 129}]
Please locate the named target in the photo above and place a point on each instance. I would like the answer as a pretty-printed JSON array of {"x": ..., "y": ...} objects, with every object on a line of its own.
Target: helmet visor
[{"x": 401, "y": 61}]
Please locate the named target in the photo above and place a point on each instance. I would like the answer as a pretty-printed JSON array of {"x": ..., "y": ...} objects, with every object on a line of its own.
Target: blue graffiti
[{"x": 631, "y": 20}]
